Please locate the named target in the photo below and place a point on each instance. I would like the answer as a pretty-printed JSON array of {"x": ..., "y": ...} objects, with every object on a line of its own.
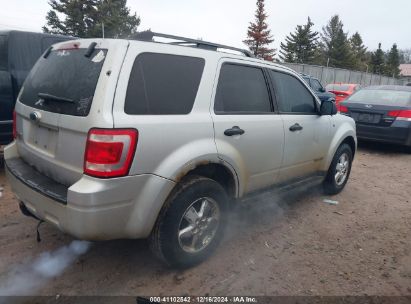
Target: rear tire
[
  {"x": 191, "y": 223},
  {"x": 339, "y": 171}
]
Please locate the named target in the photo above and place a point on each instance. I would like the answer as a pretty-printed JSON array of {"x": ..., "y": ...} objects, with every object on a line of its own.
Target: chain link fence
[{"x": 333, "y": 75}]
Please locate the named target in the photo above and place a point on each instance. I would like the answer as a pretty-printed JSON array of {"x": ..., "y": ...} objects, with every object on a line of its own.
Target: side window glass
[
  {"x": 241, "y": 89},
  {"x": 162, "y": 84},
  {"x": 316, "y": 85},
  {"x": 292, "y": 94}
]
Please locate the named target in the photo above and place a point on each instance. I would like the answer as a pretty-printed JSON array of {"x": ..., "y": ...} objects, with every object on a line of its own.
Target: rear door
[
  {"x": 307, "y": 134},
  {"x": 249, "y": 134},
  {"x": 66, "y": 93}
]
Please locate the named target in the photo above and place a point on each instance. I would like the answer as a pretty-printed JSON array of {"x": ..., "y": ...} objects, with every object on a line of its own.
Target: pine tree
[
  {"x": 335, "y": 44},
  {"x": 77, "y": 21},
  {"x": 377, "y": 61},
  {"x": 85, "y": 18},
  {"x": 259, "y": 36},
  {"x": 359, "y": 52},
  {"x": 118, "y": 22},
  {"x": 405, "y": 56},
  {"x": 393, "y": 62},
  {"x": 300, "y": 46}
]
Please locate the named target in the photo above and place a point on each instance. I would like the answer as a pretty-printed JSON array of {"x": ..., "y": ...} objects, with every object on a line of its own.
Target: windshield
[
  {"x": 382, "y": 97},
  {"x": 65, "y": 75},
  {"x": 337, "y": 87}
]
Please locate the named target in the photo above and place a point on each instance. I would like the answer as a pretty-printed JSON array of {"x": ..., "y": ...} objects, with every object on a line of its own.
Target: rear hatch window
[{"x": 64, "y": 82}]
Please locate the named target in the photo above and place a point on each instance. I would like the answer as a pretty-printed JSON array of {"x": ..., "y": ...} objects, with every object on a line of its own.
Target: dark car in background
[
  {"x": 381, "y": 113},
  {"x": 19, "y": 51},
  {"x": 318, "y": 88}
]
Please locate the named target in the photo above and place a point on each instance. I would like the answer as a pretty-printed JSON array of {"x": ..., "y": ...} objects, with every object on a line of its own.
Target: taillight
[
  {"x": 400, "y": 114},
  {"x": 14, "y": 125},
  {"x": 109, "y": 152},
  {"x": 343, "y": 109}
]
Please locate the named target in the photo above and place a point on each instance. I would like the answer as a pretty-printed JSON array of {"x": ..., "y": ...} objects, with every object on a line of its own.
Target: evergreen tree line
[
  {"x": 90, "y": 18},
  {"x": 332, "y": 47}
]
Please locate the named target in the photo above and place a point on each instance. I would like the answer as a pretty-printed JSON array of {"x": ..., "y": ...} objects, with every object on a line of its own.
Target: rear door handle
[
  {"x": 295, "y": 127},
  {"x": 234, "y": 131}
]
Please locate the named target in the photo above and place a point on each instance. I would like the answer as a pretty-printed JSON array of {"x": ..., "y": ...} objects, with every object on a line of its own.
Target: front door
[
  {"x": 249, "y": 135},
  {"x": 307, "y": 134}
]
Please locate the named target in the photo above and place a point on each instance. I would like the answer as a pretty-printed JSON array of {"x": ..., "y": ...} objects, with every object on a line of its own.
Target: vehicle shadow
[
  {"x": 246, "y": 218},
  {"x": 124, "y": 266},
  {"x": 378, "y": 147}
]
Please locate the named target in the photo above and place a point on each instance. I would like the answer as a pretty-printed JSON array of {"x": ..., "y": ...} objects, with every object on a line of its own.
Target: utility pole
[{"x": 102, "y": 28}]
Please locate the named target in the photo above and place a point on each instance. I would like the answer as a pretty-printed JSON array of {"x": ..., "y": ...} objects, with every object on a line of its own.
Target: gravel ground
[{"x": 294, "y": 246}]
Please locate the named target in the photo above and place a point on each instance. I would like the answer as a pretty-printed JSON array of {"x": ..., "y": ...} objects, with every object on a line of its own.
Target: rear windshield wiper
[{"x": 47, "y": 97}]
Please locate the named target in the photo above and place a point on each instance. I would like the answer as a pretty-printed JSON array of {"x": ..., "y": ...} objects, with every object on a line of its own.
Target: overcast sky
[{"x": 226, "y": 21}]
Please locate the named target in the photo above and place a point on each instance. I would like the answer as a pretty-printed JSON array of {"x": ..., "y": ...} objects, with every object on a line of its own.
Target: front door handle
[
  {"x": 234, "y": 131},
  {"x": 296, "y": 127}
]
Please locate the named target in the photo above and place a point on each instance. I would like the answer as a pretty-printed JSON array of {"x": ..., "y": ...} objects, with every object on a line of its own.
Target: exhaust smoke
[{"x": 27, "y": 279}]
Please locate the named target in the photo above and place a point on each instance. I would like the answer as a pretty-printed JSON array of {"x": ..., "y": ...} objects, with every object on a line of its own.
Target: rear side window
[
  {"x": 163, "y": 84},
  {"x": 316, "y": 85},
  {"x": 64, "y": 82},
  {"x": 293, "y": 96},
  {"x": 241, "y": 89}
]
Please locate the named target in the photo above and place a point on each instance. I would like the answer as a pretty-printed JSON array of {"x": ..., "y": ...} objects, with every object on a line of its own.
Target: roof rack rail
[{"x": 149, "y": 35}]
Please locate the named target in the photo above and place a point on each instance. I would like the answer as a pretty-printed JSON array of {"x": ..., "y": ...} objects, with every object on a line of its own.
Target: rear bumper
[
  {"x": 397, "y": 133},
  {"x": 96, "y": 209}
]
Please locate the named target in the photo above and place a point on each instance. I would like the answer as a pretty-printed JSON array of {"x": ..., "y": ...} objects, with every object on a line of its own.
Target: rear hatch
[{"x": 69, "y": 90}]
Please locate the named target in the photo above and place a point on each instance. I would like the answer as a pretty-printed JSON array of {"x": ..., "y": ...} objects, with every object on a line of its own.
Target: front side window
[
  {"x": 242, "y": 89},
  {"x": 316, "y": 85},
  {"x": 163, "y": 84},
  {"x": 293, "y": 96}
]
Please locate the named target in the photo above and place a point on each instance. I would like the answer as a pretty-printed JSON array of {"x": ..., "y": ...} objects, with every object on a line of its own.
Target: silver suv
[{"x": 136, "y": 139}]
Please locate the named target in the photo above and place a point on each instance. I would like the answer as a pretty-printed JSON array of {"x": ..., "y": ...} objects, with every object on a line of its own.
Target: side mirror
[
  {"x": 322, "y": 90},
  {"x": 328, "y": 107}
]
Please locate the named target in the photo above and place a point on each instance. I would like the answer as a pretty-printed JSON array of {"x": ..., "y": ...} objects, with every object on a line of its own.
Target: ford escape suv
[{"x": 141, "y": 139}]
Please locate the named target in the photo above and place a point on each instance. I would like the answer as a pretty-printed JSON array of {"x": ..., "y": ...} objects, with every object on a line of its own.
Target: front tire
[
  {"x": 191, "y": 223},
  {"x": 339, "y": 171}
]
